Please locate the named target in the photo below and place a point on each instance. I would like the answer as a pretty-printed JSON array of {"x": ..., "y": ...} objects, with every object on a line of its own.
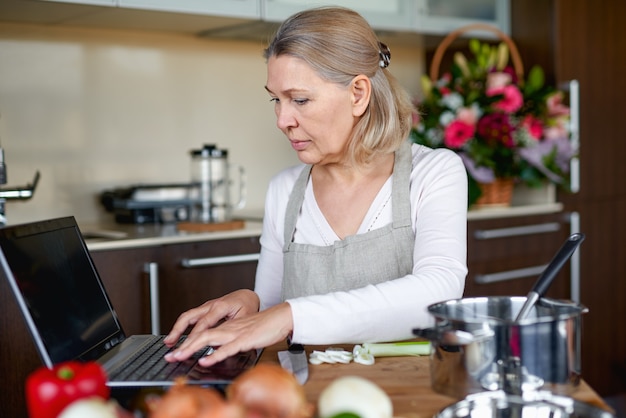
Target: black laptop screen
[{"x": 60, "y": 287}]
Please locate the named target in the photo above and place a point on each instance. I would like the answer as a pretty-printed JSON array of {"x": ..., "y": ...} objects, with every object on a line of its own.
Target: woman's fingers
[
  {"x": 236, "y": 335},
  {"x": 235, "y": 304},
  {"x": 184, "y": 321}
]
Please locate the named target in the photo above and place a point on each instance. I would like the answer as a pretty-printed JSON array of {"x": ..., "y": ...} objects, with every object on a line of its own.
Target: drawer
[
  {"x": 506, "y": 256},
  {"x": 523, "y": 236}
]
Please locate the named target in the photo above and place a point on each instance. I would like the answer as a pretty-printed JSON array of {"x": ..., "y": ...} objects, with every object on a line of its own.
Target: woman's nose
[{"x": 285, "y": 118}]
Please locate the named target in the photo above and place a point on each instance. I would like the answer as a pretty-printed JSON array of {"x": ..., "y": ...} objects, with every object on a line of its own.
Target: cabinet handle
[
  {"x": 517, "y": 231},
  {"x": 509, "y": 274},
  {"x": 153, "y": 276},
  {"x": 212, "y": 261},
  {"x": 574, "y": 103}
]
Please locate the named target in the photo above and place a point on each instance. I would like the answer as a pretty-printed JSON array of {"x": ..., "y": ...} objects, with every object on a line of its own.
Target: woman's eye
[
  {"x": 300, "y": 101},
  {"x": 274, "y": 99}
]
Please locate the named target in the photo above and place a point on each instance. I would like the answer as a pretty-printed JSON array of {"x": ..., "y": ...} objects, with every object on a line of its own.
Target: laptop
[{"x": 70, "y": 316}]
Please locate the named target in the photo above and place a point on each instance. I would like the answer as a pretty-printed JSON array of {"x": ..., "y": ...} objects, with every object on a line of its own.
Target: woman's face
[{"x": 317, "y": 116}]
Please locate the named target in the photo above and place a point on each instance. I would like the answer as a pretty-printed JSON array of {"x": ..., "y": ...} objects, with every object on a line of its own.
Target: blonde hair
[{"x": 339, "y": 44}]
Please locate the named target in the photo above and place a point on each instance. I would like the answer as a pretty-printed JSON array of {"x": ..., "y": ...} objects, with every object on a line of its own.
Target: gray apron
[{"x": 358, "y": 260}]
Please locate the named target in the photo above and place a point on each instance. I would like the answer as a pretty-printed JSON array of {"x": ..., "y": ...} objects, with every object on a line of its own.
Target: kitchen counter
[
  {"x": 405, "y": 379},
  {"x": 120, "y": 236},
  {"x": 514, "y": 210}
]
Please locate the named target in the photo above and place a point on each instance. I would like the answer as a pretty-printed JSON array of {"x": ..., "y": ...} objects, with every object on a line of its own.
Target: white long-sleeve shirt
[{"x": 390, "y": 310}]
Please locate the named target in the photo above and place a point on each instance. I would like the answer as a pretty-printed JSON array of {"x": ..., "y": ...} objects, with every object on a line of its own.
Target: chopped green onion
[{"x": 403, "y": 348}]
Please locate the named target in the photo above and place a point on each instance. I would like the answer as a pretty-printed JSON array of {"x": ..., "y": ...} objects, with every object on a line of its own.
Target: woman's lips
[{"x": 299, "y": 145}]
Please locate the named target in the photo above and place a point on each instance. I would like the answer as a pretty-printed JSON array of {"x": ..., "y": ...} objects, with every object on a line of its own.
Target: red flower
[
  {"x": 533, "y": 126},
  {"x": 458, "y": 133},
  {"x": 496, "y": 127}
]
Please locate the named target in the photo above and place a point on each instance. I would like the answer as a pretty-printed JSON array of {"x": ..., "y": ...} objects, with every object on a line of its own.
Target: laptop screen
[{"x": 59, "y": 286}]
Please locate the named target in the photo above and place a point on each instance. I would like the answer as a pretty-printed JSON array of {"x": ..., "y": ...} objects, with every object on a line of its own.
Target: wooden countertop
[{"x": 405, "y": 379}]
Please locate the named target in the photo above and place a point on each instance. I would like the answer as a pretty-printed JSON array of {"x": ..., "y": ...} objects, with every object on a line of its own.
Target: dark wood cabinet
[
  {"x": 164, "y": 281},
  {"x": 191, "y": 274},
  {"x": 126, "y": 282},
  {"x": 586, "y": 40},
  {"x": 507, "y": 255}
]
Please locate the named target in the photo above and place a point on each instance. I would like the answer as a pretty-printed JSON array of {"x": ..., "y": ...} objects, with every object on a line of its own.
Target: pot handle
[{"x": 445, "y": 337}]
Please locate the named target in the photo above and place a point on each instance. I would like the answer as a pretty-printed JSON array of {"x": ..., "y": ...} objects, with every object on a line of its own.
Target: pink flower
[
  {"x": 556, "y": 106},
  {"x": 512, "y": 99},
  {"x": 467, "y": 115},
  {"x": 556, "y": 130},
  {"x": 498, "y": 80},
  {"x": 415, "y": 119},
  {"x": 457, "y": 133},
  {"x": 533, "y": 126}
]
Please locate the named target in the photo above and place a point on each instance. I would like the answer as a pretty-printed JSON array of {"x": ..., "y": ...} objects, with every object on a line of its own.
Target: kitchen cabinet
[
  {"x": 434, "y": 17},
  {"x": 506, "y": 255},
  {"x": 18, "y": 355},
  {"x": 256, "y": 19},
  {"x": 90, "y": 2},
  {"x": 439, "y": 17},
  {"x": 582, "y": 40},
  {"x": 381, "y": 14},
  {"x": 236, "y": 8},
  {"x": 150, "y": 286}
]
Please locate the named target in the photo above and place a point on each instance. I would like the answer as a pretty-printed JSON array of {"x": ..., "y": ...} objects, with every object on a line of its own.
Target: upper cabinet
[
  {"x": 433, "y": 17},
  {"x": 381, "y": 14},
  {"x": 89, "y": 2},
  {"x": 248, "y": 18},
  {"x": 232, "y": 8},
  {"x": 439, "y": 17}
]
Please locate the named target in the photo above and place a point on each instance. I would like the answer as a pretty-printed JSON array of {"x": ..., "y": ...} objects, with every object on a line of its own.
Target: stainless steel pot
[
  {"x": 478, "y": 345},
  {"x": 531, "y": 404}
]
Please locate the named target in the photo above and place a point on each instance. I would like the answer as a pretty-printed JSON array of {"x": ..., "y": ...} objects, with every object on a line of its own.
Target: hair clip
[{"x": 385, "y": 55}]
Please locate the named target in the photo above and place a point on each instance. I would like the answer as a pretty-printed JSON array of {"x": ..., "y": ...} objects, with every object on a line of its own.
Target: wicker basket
[
  {"x": 500, "y": 192},
  {"x": 496, "y": 194},
  {"x": 447, "y": 41}
]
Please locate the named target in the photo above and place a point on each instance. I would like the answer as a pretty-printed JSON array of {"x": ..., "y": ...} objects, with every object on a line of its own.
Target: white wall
[{"x": 93, "y": 109}]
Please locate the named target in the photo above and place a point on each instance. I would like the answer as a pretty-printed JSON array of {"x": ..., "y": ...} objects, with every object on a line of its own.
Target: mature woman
[{"x": 369, "y": 231}]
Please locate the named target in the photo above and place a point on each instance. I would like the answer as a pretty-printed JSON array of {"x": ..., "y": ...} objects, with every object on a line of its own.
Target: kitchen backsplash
[{"x": 93, "y": 109}]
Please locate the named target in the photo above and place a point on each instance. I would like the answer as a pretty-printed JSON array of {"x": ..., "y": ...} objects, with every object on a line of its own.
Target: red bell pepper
[{"x": 49, "y": 391}]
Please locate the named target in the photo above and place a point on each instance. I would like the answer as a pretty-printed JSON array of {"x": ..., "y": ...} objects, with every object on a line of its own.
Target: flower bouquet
[{"x": 502, "y": 125}]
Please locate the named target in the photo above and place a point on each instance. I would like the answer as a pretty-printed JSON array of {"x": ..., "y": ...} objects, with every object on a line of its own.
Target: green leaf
[
  {"x": 473, "y": 190},
  {"x": 474, "y": 46},
  {"x": 536, "y": 79},
  {"x": 346, "y": 415}
]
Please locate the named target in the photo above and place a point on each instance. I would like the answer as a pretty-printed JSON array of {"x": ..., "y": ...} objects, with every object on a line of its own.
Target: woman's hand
[
  {"x": 233, "y": 305},
  {"x": 238, "y": 333}
]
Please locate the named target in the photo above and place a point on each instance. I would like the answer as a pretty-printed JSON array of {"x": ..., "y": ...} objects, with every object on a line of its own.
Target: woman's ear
[{"x": 361, "y": 90}]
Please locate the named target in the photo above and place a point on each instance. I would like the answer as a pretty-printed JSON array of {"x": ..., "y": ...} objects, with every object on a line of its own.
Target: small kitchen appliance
[
  {"x": 211, "y": 185},
  {"x": 205, "y": 200}
]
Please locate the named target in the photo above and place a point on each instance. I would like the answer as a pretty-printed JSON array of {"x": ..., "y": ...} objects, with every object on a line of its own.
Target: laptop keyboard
[{"x": 149, "y": 364}]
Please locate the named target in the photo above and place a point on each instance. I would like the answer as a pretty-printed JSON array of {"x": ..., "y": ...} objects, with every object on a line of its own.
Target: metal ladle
[{"x": 547, "y": 276}]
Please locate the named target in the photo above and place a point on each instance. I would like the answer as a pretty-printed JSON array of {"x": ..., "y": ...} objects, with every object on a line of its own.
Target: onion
[
  {"x": 268, "y": 390},
  {"x": 94, "y": 407},
  {"x": 185, "y": 401},
  {"x": 355, "y": 395}
]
